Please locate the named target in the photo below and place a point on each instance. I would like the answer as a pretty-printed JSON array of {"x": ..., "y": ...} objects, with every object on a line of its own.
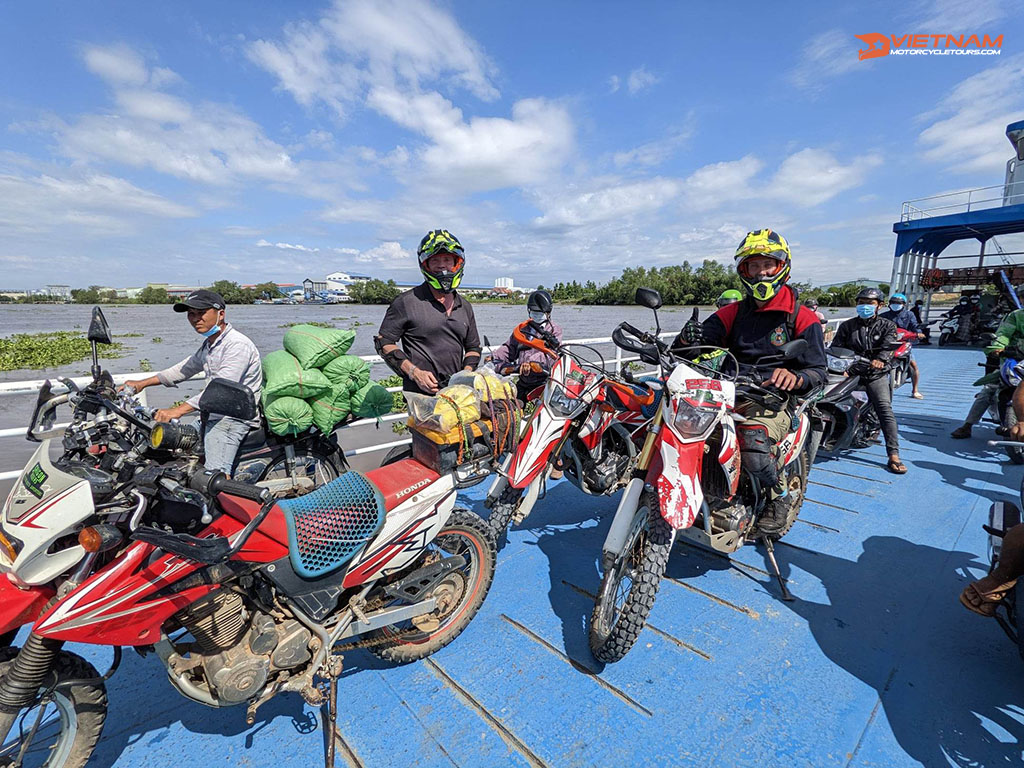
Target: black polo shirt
[{"x": 432, "y": 340}]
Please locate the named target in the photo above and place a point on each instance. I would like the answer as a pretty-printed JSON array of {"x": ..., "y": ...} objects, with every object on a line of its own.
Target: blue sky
[{"x": 274, "y": 141}]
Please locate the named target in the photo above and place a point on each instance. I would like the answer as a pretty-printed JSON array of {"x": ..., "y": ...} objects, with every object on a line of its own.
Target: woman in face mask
[
  {"x": 531, "y": 364},
  {"x": 869, "y": 335}
]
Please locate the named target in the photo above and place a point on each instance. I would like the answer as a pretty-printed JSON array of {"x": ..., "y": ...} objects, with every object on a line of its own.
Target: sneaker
[{"x": 962, "y": 432}]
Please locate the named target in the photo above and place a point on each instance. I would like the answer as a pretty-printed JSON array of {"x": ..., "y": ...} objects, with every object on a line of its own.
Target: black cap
[{"x": 201, "y": 299}]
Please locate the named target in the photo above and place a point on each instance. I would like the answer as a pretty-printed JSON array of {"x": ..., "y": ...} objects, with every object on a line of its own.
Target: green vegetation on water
[
  {"x": 124, "y": 335},
  {"x": 317, "y": 323},
  {"x": 49, "y": 350}
]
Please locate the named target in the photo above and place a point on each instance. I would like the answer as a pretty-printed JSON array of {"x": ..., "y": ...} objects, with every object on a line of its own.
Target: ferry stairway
[{"x": 874, "y": 664}]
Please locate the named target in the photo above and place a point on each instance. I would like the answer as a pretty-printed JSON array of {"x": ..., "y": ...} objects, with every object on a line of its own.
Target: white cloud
[
  {"x": 207, "y": 142},
  {"x": 970, "y": 135},
  {"x": 942, "y": 15},
  {"x": 714, "y": 184},
  {"x": 640, "y": 79},
  {"x": 360, "y": 44},
  {"x": 607, "y": 203},
  {"x": 346, "y": 251},
  {"x": 653, "y": 153},
  {"x": 89, "y": 205},
  {"x": 812, "y": 176},
  {"x": 613, "y": 84},
  {"x": 826, "y": 56},
  {"x": 286, "y": 246}
]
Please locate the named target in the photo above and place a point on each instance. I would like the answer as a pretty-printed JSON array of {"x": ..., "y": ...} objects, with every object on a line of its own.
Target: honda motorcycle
[
  {"x": 588, "y": 423},
  {"x": 241, "y": 596},
  {"x": 688, "y": 479},
  {"x": 901, "y": 357}
]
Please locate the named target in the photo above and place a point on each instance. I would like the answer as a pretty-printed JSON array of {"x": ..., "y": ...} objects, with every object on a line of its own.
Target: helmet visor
[{"x": 754, "y": 266}]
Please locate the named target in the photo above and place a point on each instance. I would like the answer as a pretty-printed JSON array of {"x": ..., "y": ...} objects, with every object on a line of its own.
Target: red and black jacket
[{"x": 751, "y": 332}]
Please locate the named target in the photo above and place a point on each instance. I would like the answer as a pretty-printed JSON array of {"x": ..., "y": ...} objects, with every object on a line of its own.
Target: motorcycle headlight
[
  {"x": 838, "y": 364},
  {"x": 562, "y": 403},
  {"x": 691, "y": 421}
]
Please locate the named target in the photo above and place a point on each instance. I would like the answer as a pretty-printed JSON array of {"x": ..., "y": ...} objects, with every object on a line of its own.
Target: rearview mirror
[
  {"x": 228, "y": 398},
  {"x": 793, "y": 348},
  {"x": 99, "y": 331},
  {"x": 648, "y": 297}
]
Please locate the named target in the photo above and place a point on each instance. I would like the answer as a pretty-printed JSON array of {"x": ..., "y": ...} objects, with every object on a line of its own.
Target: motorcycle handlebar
[
  {"x": 212, "y": 483},
  {"x": 624, "y": 342}
]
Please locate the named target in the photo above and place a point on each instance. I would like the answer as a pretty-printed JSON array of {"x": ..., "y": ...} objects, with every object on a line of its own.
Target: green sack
[
  {"x": 348, "y": 371},
  {"x": 287, "y": 415},
  {"x": 330, "y": 408},
  {"x": 284, "y": 377},
  {"x": 371, "y": 402},
  {"x": 315, "y": 347}
]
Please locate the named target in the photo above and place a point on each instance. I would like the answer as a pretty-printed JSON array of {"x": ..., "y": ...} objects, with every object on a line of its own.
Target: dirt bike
[
  {"x": 250, "y": 606},
  {"x": 688, "y": 481},
  {"x": 588, "y": 423},
  {"x": 1002, "y": 516}
]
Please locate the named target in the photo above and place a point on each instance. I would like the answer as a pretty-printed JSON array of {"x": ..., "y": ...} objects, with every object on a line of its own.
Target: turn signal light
[
  {"x": 99, "y": 538},
  {"x": 8, "y": 548}
]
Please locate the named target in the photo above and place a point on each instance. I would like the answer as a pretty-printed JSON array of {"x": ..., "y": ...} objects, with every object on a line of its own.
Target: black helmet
[
  {"x": 539, "y": 301},
  {"x": 811, "y": 303},
  {"x": 867, "y": 294}
]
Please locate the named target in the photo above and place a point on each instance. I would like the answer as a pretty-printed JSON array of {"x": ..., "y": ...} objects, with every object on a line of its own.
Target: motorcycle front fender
[
  {"x": 21, "y": 606},
  {"x": 676, "y": 476}
]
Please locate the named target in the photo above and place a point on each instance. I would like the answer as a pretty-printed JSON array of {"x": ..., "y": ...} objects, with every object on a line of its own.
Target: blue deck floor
[{"x": 875, "y": 664}]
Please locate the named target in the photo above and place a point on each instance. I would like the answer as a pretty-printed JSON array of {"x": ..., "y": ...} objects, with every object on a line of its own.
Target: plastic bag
[
  {"x": 348, "y": 371},
  {"x": 488, "y": 383},
  {"x": 452, "y": 407},
  {"x": 287, "y": 415},
  {"x": 371, "y": 401},
  {"x": 330, "y": 408},
  {"x": 283, "y": 376},
  {"x": 315, "y": 347}
]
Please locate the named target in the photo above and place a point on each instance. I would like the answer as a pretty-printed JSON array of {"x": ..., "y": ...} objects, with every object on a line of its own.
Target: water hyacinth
[{"x": 49, "y": 350}]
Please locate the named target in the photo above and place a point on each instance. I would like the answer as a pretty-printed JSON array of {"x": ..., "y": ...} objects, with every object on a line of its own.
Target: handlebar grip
[
  {"x": 623, "y": 342},
  {"x": 642, "y": 335},
  {"x": 217, "y": 482}
]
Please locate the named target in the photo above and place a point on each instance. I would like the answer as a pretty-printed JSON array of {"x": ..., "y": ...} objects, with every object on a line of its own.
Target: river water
[{"x": 165, "y": 337}]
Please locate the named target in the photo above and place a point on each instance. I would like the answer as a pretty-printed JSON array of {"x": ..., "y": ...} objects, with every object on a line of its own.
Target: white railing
[
  {"x": 32, "y": 386},
  {"x": 963, "y": 201}
]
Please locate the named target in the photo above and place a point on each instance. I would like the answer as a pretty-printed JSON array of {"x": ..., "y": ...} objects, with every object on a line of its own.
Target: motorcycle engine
[
  {"x": 240, "y": 648},
  {"x": 735, "y": 517}
]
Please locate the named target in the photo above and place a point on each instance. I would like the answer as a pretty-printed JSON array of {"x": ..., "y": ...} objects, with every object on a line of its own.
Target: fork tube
[{"x": 652, "y": 438}]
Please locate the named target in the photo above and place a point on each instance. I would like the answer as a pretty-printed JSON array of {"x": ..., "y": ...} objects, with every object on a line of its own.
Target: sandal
[
  {"x": 896, "y": 466},
  {"x": 984, "y": 596}
]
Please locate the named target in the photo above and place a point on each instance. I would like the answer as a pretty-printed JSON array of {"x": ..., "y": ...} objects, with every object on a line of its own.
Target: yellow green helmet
[
  {"x": 441, "y": 241},
  {"x": 770, "y": 244}
]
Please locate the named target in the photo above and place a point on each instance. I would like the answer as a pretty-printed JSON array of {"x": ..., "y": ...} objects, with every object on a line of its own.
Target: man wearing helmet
[
  {"x": 435, "y": 325},
  {"x": 532, "y": 364},
  {"x": 905, "y": 319},
  {"x": 868, "y": 335},
  {"x": 729, "y": 296},
  {"x": 812, "y": 304},
  {"x": 754, "y": 328}
]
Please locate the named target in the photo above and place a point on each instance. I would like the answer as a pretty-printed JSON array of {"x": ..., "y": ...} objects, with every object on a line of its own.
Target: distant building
[
  {"x": 175, "y": 291},
  {"x": 62, "y": 291},
  {"x": 505, "y": 282},
  {"x": 338, "y": 284},
  {"x": 313, "y": 289}
]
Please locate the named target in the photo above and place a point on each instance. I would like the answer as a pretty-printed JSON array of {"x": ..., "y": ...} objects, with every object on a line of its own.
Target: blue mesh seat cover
[
  {"x": 329, "y": 525},
  {"x": 649, "y": 410}
]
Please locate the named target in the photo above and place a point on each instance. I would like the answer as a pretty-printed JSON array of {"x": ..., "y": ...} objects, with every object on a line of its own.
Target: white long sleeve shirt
[{"x": 229, "y": 355}]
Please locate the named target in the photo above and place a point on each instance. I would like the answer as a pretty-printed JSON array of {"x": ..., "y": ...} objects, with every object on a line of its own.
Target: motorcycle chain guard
[{"x": 422, "y": 580}]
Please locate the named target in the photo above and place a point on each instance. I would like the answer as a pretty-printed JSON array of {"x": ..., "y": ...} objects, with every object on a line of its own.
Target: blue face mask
[
  {"x": 212, "y": 332},
  {"x": 866, "y": 311},
  {"x": 896, "y": 307}
]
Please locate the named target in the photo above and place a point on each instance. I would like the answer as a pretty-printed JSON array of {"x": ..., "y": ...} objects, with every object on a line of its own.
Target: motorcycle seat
[
  {"x": 840, "y": 390},
  {"x": 256, "y": 438},
  {"x": 329, "y": 525}
]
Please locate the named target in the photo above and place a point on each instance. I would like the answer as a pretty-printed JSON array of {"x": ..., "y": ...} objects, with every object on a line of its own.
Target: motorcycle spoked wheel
[
  {"x": 460, "y": 594},
  {"x": 630, "y": 586},
  {"x": 1016, "y": 455},
  {"x": 71, "y": 721},
  {"x": 502, "y": 512},
  {"x": 310, "y": 463},
  {"x": 796, "y": 482}
]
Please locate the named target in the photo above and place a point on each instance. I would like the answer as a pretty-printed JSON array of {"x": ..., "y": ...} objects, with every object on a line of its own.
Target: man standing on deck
[
  {"x": 225, "y": 353},
  {"x": 435, "y": 325}
]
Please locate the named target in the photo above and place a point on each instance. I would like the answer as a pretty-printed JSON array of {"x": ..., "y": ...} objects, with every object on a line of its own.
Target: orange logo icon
[{"x": 878, "y": 46}]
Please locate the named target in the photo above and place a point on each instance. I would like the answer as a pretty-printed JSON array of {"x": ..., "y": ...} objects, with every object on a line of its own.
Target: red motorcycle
[
  {"x": 588, "y": 423},
  {"x": 250, "y": 606},
  {"x": 901, "y": 357}
]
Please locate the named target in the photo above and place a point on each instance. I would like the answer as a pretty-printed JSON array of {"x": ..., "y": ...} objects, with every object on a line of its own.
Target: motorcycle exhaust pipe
[{"x": 616, "y": 538}]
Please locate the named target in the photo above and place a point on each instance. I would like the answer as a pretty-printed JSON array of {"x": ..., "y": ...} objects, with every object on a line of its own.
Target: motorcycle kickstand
[
  {"x": 769, "y": 546},
  {"x": 331, "y": 724}
]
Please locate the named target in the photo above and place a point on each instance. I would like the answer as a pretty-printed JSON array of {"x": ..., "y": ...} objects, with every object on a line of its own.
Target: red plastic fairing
[
  {"x": 677, "y": 480},
  {"x": 398, "y": 481},
  {"x": 267, "y": 543},
  {"x": 20, "y": 606}
]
